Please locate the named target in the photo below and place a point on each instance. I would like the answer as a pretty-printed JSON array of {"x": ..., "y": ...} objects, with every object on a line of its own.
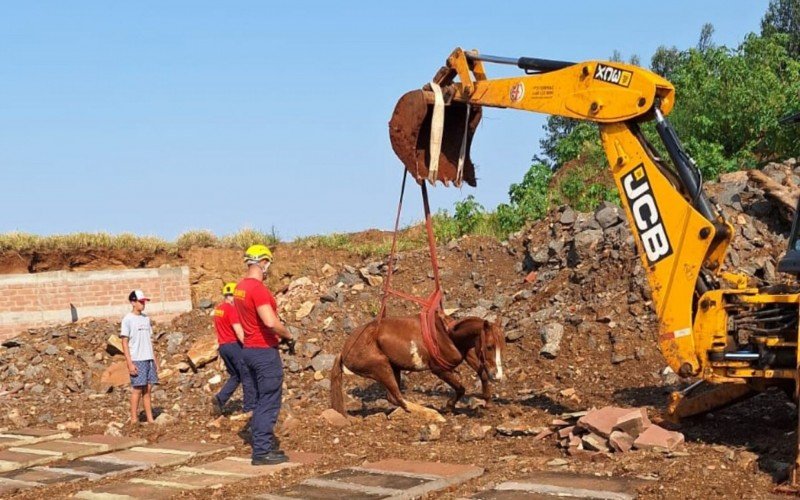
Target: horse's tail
[{"x": 337, "y": 391}]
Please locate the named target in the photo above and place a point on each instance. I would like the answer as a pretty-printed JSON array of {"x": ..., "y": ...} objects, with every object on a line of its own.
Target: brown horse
[{"x": 381, "y": 350}]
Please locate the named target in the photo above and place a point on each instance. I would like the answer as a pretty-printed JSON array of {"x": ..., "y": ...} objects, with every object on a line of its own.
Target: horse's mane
[{"x": 465, "y": 322}]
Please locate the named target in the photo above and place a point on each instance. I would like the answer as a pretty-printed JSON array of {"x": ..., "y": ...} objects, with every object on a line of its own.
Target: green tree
[
  {"x": 783, "y": 16},
  {"x": 528, "y": 200}
]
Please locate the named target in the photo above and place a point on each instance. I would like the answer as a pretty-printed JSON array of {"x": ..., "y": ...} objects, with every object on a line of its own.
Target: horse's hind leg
[
  {"x": 386, "y": 374},
  {"x": 397, "y": 377},
  {"x": 451, "y": 380}
]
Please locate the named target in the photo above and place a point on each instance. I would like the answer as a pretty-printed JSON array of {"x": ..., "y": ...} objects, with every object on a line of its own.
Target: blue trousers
[
  {"x": 267, "y": 371},
  {"x": 231, "y": 354}
]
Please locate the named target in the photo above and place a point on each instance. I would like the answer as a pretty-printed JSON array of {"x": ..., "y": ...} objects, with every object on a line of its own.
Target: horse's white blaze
[
  {"x": 415, "y": 357},
  {"x": 498, "y": 361}
]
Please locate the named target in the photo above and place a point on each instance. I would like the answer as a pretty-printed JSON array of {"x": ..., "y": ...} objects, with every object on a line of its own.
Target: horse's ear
[{"x": 487, "y": 326}]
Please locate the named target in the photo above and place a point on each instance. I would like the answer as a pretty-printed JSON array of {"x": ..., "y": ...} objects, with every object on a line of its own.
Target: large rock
[
  {"x": 116, "y": 375},
  {"x": 607, "y": 215},
  {"x": 551, "y": 337},
  {"x": 202, "y": 352},
  {"x": 114, "y": 345},
  {"x": 174, "y": 342},
  {"x": 633, "y": 423},
  {"x": 568, "y": 217},
  {"x": 603, "y": 421},
  {"x": 474, "y": 432},
  {"x": 304, "y": 310},
  {"x": 417, "y": 410},
  {"x": 620, "y": 441},
  {"x": 334, "y": 418},
  {"x": 323, "y": 362},
  {"x": 658, "y": 438},
  {"x": 585, "y": 244}
]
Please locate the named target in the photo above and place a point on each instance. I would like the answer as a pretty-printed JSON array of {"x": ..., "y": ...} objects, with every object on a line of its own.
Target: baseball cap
[{"x": 137, "y": 295}]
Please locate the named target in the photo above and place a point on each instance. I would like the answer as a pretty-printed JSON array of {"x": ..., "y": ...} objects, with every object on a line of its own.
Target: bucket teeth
[{"x": 410, "y": 131}]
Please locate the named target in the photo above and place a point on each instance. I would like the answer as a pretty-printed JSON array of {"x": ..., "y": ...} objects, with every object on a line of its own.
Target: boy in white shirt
[{"x": 137, "y": 345}]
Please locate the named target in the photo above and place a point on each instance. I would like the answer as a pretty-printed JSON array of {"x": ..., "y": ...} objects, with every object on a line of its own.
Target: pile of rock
[{"x": 613, "y": 429}]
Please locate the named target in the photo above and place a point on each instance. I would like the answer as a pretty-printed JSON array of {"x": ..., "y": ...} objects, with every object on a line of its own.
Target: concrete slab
[
  {"x": 309, "y": 492},
  {"x": 13, "y": 460},
  {"x": 32, "y": 432},
  {"x": 512, "y": 495},
  {"x": 11, "y": 486},
  {"x": 30, "y": 436},
  {"x": 111, "y": 443},
  {"x": 127, "y": 491},
  {"x": 564, "y": 484},
  {"x": 64, "y": 449},
  {"x": 240, "y": 467},
  {"x": 374, "y": 479},
  {"x": 29, "y": 455},
  {"x": 41, "y": 476},
  {"x": 388, "y": 479},
  {"x": 93, "y": 468},
  {"x": 437, "y": 469},
  {"x": 145, "y": 459},
  {"x": 210, "y": 475},
  {"x": 186, "y": 481},
  {"x": 195, "y": 449}
]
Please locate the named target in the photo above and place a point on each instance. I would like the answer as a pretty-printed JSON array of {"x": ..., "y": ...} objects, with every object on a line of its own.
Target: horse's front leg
[
  {"x": 474, "y": 362},
  {"x": 451, "y": 380}
]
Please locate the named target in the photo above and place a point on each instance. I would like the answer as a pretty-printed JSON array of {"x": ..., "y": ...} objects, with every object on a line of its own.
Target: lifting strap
[
  {"x": 431, "y": 307},
  {"x": 462, "y": 154},
  {"x": 437, "y": 130}
]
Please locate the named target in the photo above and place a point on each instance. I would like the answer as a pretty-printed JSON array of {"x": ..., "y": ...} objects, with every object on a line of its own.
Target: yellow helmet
[
  {"x": 228, "y": 288},
  {"x": 257, "y": 253}
]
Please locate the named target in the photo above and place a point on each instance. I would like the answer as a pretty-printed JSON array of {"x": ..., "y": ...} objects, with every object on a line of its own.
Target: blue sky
[{"x": 159, "y": 117}]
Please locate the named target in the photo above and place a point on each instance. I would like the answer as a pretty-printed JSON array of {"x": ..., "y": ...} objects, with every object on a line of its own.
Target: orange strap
[{"x": 431, "y": 306}]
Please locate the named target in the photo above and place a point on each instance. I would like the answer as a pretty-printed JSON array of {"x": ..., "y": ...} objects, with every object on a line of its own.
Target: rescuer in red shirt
[
  {"x": 263, "y": 331},
  {"x": 230, "y": 337}
]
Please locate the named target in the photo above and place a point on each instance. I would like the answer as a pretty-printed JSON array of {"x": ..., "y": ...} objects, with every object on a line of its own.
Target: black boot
[{"x": 274, "y": 457}]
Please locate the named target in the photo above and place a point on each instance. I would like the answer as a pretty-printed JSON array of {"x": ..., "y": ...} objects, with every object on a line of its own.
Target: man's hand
[
  {"x": 133, "y": 370},
  {"x": 290, "y": 342}
]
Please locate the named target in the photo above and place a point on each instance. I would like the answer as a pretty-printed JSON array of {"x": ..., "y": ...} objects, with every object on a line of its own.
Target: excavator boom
[{"x": 676, "y": 227}]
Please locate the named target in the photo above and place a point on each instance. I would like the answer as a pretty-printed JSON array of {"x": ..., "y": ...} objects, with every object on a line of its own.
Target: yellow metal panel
[{"x": 667, "y": 234}]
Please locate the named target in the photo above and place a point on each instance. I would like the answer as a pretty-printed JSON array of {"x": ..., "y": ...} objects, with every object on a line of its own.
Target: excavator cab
[{"x": 790, "y": 262}]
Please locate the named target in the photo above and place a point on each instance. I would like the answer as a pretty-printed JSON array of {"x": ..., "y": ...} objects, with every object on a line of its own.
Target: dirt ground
[{"x": 561, "y": 270}]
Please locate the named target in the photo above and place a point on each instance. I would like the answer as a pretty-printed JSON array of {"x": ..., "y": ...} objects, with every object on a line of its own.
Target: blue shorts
[{"x": 145, "y": 373}]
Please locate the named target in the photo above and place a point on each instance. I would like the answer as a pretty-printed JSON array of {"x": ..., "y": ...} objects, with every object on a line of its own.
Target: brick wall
[{"x": 41, "y": 299}]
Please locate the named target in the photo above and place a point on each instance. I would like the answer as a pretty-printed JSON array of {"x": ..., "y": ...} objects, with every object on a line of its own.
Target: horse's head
[{"x": 491, "y": 351}]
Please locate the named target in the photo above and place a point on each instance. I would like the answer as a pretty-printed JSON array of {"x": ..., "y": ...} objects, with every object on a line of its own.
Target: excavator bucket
[{"x": 410, "y": 134}]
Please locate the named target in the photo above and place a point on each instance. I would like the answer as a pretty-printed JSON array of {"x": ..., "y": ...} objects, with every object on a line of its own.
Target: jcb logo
[
  {"x": 646, "y": 215},
  {"x": 610, "y": 74}
]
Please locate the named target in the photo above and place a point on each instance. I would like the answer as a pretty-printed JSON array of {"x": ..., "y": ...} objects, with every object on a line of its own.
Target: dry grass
[
  {"x": 349, "y": 243},
  {"x": 246, "y": 237},
  {"x": 26, "y": 243},
  {"x": 199, "y": 238}
]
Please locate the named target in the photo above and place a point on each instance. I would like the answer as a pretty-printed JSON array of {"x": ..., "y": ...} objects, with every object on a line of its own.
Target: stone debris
[{"x": 613, "y": 429}]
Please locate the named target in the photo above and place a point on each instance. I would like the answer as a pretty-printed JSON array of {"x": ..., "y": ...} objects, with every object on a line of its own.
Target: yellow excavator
[{"x": 735, "y": 339}]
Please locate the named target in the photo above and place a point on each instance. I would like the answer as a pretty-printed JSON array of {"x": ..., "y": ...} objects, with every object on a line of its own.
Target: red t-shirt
[
  {"x": 225, "y": 316},
  {"x": 249, "y": 294}
]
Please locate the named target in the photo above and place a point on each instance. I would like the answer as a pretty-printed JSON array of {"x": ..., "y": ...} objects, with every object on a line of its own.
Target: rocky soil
[{"x": 572, "y": 296}]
